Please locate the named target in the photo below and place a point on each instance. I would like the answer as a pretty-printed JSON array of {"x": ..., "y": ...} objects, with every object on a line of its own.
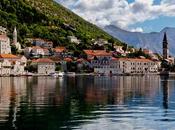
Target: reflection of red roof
[
  {"x": 8, "y": 56},
  {"x": 59, "y": 49},
  {"x": 97, "y": 53},
  {"x": 43, "y": 60},
  {"x": 68, "y": 59}
]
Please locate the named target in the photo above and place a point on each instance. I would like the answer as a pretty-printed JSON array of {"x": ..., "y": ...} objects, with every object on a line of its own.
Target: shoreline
[{"x": 72, "y": 74}]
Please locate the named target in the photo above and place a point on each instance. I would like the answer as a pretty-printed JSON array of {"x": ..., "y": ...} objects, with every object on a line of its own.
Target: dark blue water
[{"x": 87, "y": 103}]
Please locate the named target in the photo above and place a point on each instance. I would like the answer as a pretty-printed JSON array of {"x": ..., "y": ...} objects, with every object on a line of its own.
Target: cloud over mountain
[{"x": 119, "y": 12}]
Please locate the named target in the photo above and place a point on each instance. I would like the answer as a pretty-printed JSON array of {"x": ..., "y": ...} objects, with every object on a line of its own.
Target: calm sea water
[{"x": 87, "y": 103}]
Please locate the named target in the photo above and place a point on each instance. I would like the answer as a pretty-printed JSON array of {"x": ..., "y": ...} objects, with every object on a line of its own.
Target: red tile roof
[
  {"x": 43, "y": 60},
  {"x": 97, "y": 53},
  {"x": 59, "y": 49},
  {"x": 3, "y": 37},
  {"x": 8, "y": 56},
  {"x": 68, "y": 59}
]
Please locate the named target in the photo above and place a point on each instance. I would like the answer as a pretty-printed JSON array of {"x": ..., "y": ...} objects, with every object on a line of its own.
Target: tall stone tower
[
  {"x": 15, "y": 40},
  {"x": 165, "y": 47}
]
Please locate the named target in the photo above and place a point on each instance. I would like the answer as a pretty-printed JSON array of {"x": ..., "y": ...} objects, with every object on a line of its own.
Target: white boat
[
  {"x": 71, "y": 74},
  {"x": 61, "y": 74}
]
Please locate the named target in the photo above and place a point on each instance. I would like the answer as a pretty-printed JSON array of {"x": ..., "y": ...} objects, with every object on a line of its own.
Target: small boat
[
  {"x": 61, "y": 74},
  {"x": 53, "y": 75},
  {"x": 71, "y": 74}
]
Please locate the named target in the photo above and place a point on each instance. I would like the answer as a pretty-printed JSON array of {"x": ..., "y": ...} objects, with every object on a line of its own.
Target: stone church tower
[
  {"x": 15, "y": 36},
  {"x": 165, "y": 47}
]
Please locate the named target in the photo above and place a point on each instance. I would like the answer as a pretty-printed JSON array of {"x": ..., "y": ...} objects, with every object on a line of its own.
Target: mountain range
[{"x": 152, "y": 41}]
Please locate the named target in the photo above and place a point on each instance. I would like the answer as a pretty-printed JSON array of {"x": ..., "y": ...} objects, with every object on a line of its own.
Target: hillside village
[{"x": 42, "y": 58}]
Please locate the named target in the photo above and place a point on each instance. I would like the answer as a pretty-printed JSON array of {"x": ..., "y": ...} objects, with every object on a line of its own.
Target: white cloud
[
  {"x": 119, "y": 12},
  {"x": 138, "y": 29}
]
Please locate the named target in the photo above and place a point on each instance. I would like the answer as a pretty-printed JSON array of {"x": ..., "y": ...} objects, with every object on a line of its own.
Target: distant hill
[
  {"x": 46, "y": 19},
  {"x": 151, "y": 41}
]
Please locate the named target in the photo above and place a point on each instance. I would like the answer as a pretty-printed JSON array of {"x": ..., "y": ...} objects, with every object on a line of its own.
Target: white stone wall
[
  {"x": 46, "y": 68},
  {"x": 5, "y": 47}
]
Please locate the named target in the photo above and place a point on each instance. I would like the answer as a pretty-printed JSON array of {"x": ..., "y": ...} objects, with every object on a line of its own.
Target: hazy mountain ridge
[{"x": 151, "y": 40}]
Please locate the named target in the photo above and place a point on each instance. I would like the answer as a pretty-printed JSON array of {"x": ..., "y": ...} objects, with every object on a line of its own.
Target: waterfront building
[
  {"x": 45, "y": 66},
  {"x": 11, "y": 65},
  {"x": 135, "y": 65},
  {"x": 102, "y": 62},
  {"x": 5, "y": 47}
]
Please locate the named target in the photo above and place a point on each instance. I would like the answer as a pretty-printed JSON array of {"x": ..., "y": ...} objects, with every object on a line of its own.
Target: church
[{"x": 166, "y": 56}]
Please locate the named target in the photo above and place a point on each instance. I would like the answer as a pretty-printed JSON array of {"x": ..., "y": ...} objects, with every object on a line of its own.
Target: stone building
[
  {"x": 5, "y": 47},
  {"x": 45, "y": 66}
]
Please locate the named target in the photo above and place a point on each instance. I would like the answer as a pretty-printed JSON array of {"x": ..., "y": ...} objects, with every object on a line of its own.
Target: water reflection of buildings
[
  {"x": 118, "y": 90},
  {"x": 11, "y": 92}
]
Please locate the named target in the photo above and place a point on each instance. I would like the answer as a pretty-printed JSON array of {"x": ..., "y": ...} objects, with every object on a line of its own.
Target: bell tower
[
  {"x": 165, "y": 47},
  {"x": 15, "y": 36}
]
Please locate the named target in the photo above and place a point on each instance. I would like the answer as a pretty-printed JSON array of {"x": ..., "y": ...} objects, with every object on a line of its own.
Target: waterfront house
[
  {"x": 136, "y": 65},
  {"x": 5, "y": 67},
  {"x": 45, "y": 66},
  {"x": 11, "y": 64},
  {"x": 100, "y": 61}
]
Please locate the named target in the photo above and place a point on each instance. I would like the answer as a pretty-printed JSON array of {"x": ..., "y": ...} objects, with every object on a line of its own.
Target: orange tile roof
[
  {"x": 97, "y": 53},
  {"x": 68, "y": 59},
  {"x": 59, "y": 49},
  {"x": 3, "y": 37},
  {"x": 8, "y": 56},
  {"x": 43, "y": 60}
]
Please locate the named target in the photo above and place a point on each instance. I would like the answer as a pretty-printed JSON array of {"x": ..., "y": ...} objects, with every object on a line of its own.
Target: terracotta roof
[
  {"x": 8, "y": 56},
  {"x": 3, "y": 37},
  {"x": 68, "y": 59},
  {"x": 132, "y": 59},
  {"x": 97, "y": 53},
  {"x": 43, "y": 60},
  {"x": 59, "y": 49}
]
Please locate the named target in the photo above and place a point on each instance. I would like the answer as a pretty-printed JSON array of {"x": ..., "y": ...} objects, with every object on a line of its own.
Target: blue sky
[{"x": 131, "y": 15}]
